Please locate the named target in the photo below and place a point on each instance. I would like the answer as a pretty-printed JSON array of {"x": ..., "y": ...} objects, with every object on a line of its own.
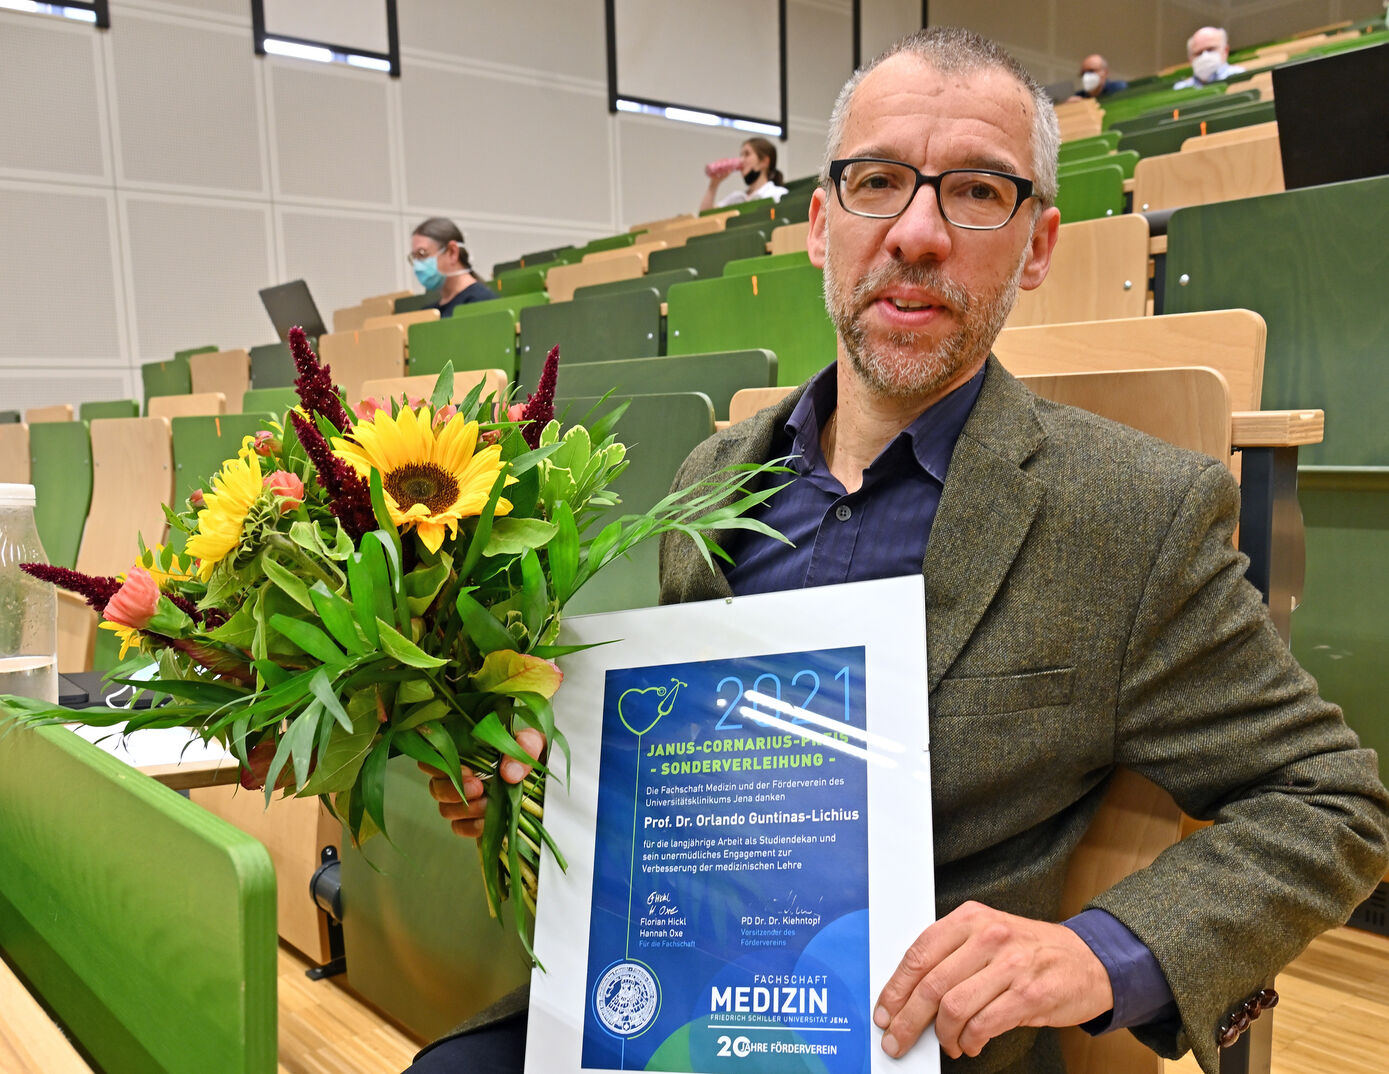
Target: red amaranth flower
[
  {"x": 350, "y": 496},
  {"x": 315, "y": 382},
  {"x": 97, "y": 590},
  {"x": 540, "y": 404}
]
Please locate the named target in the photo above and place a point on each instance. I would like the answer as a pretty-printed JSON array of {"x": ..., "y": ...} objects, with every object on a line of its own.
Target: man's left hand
[{"x": 978, "y": 972}]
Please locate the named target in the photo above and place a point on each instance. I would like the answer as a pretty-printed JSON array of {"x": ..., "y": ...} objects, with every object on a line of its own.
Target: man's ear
[
  {"x": 1040, "y": 247},
  {"x": 815, "y": 240}
]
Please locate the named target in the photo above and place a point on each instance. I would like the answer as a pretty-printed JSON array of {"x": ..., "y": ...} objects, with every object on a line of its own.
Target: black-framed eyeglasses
[{"x": 975, "y": 199}]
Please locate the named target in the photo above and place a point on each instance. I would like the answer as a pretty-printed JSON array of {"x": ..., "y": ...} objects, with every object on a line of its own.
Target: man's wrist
[{"x": 1141, "y": 993}]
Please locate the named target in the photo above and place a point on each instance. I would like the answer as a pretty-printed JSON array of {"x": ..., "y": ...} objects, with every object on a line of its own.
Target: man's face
[
  {"x": 918, "y": 302},
  {"x": 1205, "y": 40}
]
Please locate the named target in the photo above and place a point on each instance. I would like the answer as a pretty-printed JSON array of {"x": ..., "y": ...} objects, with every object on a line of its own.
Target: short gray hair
[
  {"x": 952, "y": 50},
  {"x": 1224, "y": 37}
]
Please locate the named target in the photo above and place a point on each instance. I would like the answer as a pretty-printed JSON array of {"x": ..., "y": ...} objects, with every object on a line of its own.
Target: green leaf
[
  {"x": 337, "y": 616},
  {"x": 443, "y": 742},
  {"x": 406, "y": 651},
  {"x": 271, "y": 674},
  {"x": 383, "y": 515},
  {"x": 482, "y": 627},
  {"x": 309, "y": 638},
  {"x": 309, "y": 536},
  {"x": 360, "y": 584},
  {"x": 513, "y": 848},
  {"x": 342, "y": 759},
  {"x": 511, "y": 536},
  {"x": 563, "y": 552},
  {"x": 490, "y": 844},
  {"x": 287, "y": 582},
  {"x": 506, "y": 671},
  {"x": 535, "y": 595},
  {"x": 422, "y": 585},
  {"x": 489, "y": 730},
  {"x": 434, "y": 709},
  {"x": 482, "y": 533},
  {"x": 443, "y": 388},
  {"x": 170, "y": 620},
  {"x": 374, "y": 554},
  {"x": 322, "y": 689},
  {"x": 372, "y": 786},
  {"x": 413, "y": 691}
]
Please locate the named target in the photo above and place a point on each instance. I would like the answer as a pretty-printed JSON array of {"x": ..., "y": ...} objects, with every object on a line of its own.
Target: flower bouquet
[{"x": 356, "y": 587}]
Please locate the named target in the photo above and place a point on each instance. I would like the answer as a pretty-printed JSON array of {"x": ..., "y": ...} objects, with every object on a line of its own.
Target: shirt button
[{"x": 843, "y": 513}]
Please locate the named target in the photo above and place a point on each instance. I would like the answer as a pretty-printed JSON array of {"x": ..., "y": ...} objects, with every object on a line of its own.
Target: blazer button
[
  {"x": 1268, "y": 999},
  {"x": 1228, "y": 1036}
]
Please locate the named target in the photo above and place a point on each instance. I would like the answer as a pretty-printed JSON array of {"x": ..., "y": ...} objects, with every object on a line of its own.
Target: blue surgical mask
[{"x": 427, "y": 272}]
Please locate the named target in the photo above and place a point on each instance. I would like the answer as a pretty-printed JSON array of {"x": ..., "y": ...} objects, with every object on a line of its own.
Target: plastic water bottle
[{"x": 28, "y": 607}]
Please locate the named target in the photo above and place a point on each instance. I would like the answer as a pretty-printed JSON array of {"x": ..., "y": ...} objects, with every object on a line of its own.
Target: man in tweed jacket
[{"x": 1085, "y": 607}]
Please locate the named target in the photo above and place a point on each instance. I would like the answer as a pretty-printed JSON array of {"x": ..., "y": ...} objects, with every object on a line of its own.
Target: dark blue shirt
[
  {"x": 880, "y": 531},
  {"x": 474, "y": 292}
]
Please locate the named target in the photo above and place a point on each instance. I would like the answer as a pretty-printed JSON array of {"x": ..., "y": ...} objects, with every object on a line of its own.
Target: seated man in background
[
  {"x": 1095, "y": 80},
  {"x": 440, "y": 261},
  {"x": 1208, "y": 51},
  {"x": 1085, "y": 610}
]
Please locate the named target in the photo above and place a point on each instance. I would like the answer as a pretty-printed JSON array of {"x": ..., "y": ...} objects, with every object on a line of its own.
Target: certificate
[{"x": 748, "y": 833}]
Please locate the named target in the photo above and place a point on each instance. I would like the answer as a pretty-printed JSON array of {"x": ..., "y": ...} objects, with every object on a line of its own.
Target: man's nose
[{"x": 921, "y": 232}]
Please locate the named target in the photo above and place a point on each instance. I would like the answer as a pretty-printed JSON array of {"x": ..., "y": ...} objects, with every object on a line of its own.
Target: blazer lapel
[{"x": 986, "y": 510}]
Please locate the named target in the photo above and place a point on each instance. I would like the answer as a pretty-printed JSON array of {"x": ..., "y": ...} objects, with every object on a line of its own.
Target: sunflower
[
  {"x": 221, "y": 521},
  {"x": 431, "y": 478},
  {"x": 129, "y": 636}
]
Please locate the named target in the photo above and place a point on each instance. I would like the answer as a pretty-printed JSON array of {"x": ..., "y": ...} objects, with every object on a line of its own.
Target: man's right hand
[{"x": 466, "y": 814}]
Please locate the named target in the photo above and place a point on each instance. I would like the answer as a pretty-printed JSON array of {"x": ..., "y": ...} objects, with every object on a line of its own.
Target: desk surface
[{"x": 176, "y": 757}]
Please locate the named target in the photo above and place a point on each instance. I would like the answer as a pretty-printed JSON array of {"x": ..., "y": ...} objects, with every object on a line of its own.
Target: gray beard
[{"x": 907, "y": 365}]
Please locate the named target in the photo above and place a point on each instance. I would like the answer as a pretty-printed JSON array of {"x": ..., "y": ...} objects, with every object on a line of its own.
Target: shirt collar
[{"x": 931, "y": 436}]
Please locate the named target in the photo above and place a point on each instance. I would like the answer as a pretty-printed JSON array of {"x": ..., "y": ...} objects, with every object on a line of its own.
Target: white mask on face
[
  {"x": 1206, "y": 65},
  {"x": 1090, "y": 81}
]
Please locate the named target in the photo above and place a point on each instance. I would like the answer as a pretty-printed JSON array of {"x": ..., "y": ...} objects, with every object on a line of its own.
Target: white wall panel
[
  {"x": 332, "y": 132},
  {"x": 46, "y": 386},
  {"x": 57, "y": 285},
  {"x": 662, "y": 166},
  {"x": 353, "y": 24},
  {"x": 342, "y": 257},
  {"x": 564, "y": 37},
  {"x": 187, "y": 105},
  {"x": 227, "y": 10},
  {"x": 195, "y": 269},
  {"x": 50, "y": 120},
  {"x": 511, "y": 148},
  {"x": 819, "y": 58},
  {"x": 884, "y": 22}
]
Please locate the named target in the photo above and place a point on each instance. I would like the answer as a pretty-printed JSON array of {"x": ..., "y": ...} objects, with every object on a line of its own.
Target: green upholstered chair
[
  {"x": 411, "y": 303},
  {"x": 520, "y": 281},
  {"x": 10, "y": 417},
  {"x": 801, "y": 184},
  {"x": 1090, "y": 191},
  {"x": 794, "y": 207},
  {"x": 659, "y": 431},
  {"x": 1199, "y": 107},
  {"x": 166, "y": 378},
  {"x": 506, "y": 266},
  {"x": 144, "y": 923},
  {"x": 272, "y": 366},
  {"x": 559, "y": 255},
  {"x": 782, "y": 311},
  {"x": 1127, "y": 161},
  {"x": 741, "y": 208},
  {"x": 201, "y": 444},
  {"x": 1116, "y": 111},
  {"x": 717, "y": 375},
  {"x": 188, "y": 352},
  {"x": 1097, "y": 145},
  {"x": 269, "y": 400},
  {"x": 764, "y": 218},
  {"x": 707, "y": 254},
  {"x": 481, "y": 340},
  {"x": 608, "y": 242},
  {"x": 622, "y": 325},
  {"x": 746, "y": 266},
  {"x": 109, "y": 408},
  {"x": 660, "y": 282},
  {"x": 1169, "y": 136},
  {"x": 60, "y": 469}
]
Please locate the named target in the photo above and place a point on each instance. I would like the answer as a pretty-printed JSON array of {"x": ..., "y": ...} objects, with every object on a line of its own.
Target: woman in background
[
  {"x": 757, "y": 163},
  {"x": 441, "y": 264}
]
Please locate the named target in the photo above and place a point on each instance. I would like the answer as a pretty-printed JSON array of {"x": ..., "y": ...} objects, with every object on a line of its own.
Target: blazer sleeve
[{"x": 1213, "y": 707}]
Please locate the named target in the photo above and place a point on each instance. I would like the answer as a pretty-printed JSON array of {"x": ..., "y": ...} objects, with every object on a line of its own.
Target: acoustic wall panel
[
  {"x": 351, "y": 24},
  {"x": 239, "y": 10},
  {"x": 332, "y": 132},
  {"x": 661, "y": 165},
  {"x": 820, "y": 57},
  {"x": 466, "y": 146},
  {"x": 195, "y": 269},
  {"x": 542, "y": 35},
  {"x": 883, "y": 22},
  {"x": 23, "y": 388},
  {"x": 58, "y": 129},
  {"x": 187, "y": 106},
  {"x": 57, "y": 286},
  {"x": 343, "y": 258}
]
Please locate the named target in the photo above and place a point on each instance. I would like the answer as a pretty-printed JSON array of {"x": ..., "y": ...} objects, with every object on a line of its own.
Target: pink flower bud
[
  {"x": 368, "y": 407},
  {"x": 516, "y": 412},
  {"x": 444, "y": 415},
  {"x": 135, "y": 602},
  {"x": 265, "y": 443},
  {"x": 288, "y": 487},
  {"x": 196, "y": 501}
]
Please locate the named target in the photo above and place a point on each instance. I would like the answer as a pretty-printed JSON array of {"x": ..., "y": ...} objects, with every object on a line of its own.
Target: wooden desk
[
  {"x": 176, "y": 758},
  {"x": 30, "y": 1041}
]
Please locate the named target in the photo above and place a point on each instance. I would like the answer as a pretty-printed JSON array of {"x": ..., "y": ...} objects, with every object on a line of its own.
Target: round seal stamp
[{"x": 626, "y": 998}]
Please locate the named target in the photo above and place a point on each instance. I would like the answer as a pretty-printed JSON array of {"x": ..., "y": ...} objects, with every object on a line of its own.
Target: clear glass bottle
[{"x": 28, "y": 607}]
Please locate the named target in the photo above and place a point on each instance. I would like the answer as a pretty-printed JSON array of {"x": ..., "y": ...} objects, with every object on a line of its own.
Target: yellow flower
[
  {"x": 431, "y": 478},
  {"x": 130, "y": 637},
  {"x": 221, "y": 521}
]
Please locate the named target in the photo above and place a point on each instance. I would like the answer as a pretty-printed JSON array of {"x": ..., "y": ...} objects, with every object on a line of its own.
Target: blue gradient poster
[{"x": 729, "y": 905}]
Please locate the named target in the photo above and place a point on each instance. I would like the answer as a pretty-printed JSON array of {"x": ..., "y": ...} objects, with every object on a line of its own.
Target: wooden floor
[{"x": 1333, "y": 1017}]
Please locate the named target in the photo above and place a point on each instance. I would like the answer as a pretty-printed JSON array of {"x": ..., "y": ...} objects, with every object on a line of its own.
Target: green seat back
[
  {"x": 522, "y": 280},
  {"x": 782, "y": 311},
  {"x": 622, "y": 325},
  {"x": 60, "y": 469},
  {"x": 1338, "y": 629},
  {"x": 555, "y": 255},
  {"x": 411, "y": 303},
  {"x": 794, "y": 208},
  {"x": 659, "y": 431},
  {"x": 272, "y": 366},
  {"x": 109, "y": 408},
  {"x": 1127, "y": 161},
  {"x": 1168, "y": 137},
  {"x": 1088, "y": 193},
  {"x": 741, "y": 208},
  {"x": 515, "y": 303},
  {"x": 746, "y": 266},
  {"x": 707, "y": 254},
  {"x": 10, "y": 417},
  {"x": 427, "y": 959},
  {"x": 166, "y": 378},
  {"x": 505, "y": 266},
  {"x": 188, "y": 352},
  {"x": 1199, "y": 107},
  {"x": 201, "y": 444},
  {"x": 484, "y": 340},
  {"x": 1097, "y": 145},
  {"x": 146, "y": 924},
  {"x": 1314, "y": 265},
  {"x": 763, "y": 218},
  {"x": 659, "y": 281},
  {"x": 1116, "y": 110},
  {"x": 804, "y": 183},
  {"x": 608, "y": 242},
  {"x": 269, "y": 400},
  {"x": 717, "y": 375}
]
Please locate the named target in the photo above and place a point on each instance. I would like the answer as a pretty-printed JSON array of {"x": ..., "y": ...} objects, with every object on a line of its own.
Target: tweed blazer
[{"x": 1085, "y": 609}]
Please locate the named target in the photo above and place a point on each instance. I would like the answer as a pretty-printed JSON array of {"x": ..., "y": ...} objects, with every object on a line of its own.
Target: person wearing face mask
[
  {"x": 756, "y": 161},
  {"x": 441, "y": 264},
  {"x": 1208, "y": 49},
  {"x": 1095, "y": 80}
]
